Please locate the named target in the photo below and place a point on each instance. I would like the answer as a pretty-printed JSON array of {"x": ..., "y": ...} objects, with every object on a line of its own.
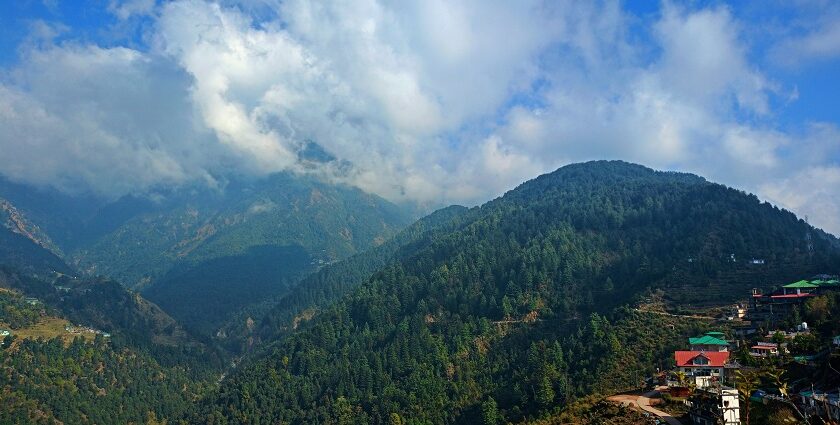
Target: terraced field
[{"x": 48, "y": 328}]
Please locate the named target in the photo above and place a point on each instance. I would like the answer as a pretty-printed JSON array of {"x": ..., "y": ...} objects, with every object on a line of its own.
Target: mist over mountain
[
  {"x": 418, "y": 212},
  {"x": 205, "y": 253},
  {"x": 421, "y": 102}
]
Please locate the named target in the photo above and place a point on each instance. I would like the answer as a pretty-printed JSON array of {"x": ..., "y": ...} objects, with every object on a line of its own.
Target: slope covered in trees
[
  {"x": 134, "y": 322},
  {"x": 189, "y": 226},
  {"x": 330, "y": 283},
  {"x": 48, "y": 375},
  {"x": 518, "y": 305},
  {"x": 205, "y": 253},
  {"x": 46, "y": 381},
  {"x": 141, "y": 365}
]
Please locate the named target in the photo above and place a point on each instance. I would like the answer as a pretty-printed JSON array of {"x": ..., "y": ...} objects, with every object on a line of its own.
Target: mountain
[
  {"x": 91, "y": 352},
  {"x": 277, "y": 317},
  {"x": 204, "y": 253},
  {"x": 21, "y": 252},
  {"x": 106, "y": 305},
  {"x": 54, "y": 219},
  {"x": 522, "y": 304},
  {"x": 25, "y": 245},
  {"x": 88, "y": 350}
]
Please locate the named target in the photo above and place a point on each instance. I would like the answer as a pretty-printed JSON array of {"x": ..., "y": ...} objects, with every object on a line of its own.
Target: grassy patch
[{"x": 51, "y": 327}]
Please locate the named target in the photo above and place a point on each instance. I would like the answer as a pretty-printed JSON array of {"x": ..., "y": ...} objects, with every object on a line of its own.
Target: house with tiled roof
[
  {"x": 705, "y": 362},
  {"x": 702, "y": 368}
]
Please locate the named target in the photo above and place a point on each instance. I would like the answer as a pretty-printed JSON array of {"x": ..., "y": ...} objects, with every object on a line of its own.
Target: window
[{"x": 700, "y": 360}]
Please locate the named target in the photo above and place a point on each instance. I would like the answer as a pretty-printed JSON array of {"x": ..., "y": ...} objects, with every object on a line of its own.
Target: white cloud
[
  {"x": 83, "y": 117},
  {"x": 704, "y": 60},
  {"x": 820, "y": 42},
  {"x": 812, "y": 193},
  {"x": 124, "y": 9},
  {"x": 430, "y": 101}
]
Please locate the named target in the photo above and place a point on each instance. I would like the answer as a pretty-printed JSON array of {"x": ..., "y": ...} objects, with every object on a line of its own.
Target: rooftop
[
  {"x": 707, "y": 340},
  {"x": 686, "y": 358},
  {"x": 801, "y": 284}
]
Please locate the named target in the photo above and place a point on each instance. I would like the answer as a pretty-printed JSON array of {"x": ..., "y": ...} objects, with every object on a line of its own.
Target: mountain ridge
[{"x": 525, "y": 302}]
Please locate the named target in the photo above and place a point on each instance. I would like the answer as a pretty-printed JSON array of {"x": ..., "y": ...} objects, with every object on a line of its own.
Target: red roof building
[
  {"x": 704, "y": 368},
  {"x": 701, "y": 358}
]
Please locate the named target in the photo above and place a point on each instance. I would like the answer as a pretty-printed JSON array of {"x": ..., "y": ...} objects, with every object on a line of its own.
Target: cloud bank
[{"x": 432, "y": 102}]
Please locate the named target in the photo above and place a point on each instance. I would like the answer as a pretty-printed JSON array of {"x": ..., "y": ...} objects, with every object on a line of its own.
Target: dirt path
[
  {"x": 684, "y": 316},
  {"x": 643, "y": 402}
]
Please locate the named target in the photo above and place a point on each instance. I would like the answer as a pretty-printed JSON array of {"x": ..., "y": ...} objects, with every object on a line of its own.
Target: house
[
  {"x": 711, "y": 341},
  {"x": 800, "y": 288},
  {"x": 715, "y": 406},
  {"x": 764, "y": 349},
  {"x": 5, "y": 332},
  {"x": 702, "y": 368},
  {"x": 836, "y": 341},
  {"x": 826, "y": 283},
  {"x": 777, "y": 305},
  {"x": 31, "y": 301},
  {"x": 757, "y": 261},
  {"x": 823, "y": 405}
]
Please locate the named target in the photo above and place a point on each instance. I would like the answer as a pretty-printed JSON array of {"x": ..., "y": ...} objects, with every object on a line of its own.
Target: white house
[
  {"x": 764, "y": 349},
  {"x": 715, "y": 406}
]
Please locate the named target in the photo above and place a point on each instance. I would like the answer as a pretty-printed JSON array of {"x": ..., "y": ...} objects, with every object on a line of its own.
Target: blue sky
[{"x": 430, "y": 102}]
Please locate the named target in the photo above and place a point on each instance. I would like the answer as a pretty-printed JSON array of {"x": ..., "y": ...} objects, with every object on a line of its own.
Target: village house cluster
[
  {"x": 78, "y": 330},
  {"x": 701, "y": 374},
  {"x": 705, "y": 372}
]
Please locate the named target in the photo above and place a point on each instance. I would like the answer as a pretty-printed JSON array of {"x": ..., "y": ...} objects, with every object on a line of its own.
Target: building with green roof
[
  {"x": 831, "y": 283},
  {"x": 801, "y": 284},
  {"x": 799, "y": 288},
  {"x": 711, "y": 341}
]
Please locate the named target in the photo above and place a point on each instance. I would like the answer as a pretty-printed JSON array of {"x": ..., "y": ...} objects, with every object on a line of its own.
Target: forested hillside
[
  {"x": 132, "y": 321},
  {"x": 49, "y": 376},
  {"x": 48, "y": 382},
  {"x": 519, "y": 304},
  {"x": 205, "y": 253},
  {"x": 330, "y": 283},
  {"x": 88, "y": 351},
  {"x": 190, "y": 226}
]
